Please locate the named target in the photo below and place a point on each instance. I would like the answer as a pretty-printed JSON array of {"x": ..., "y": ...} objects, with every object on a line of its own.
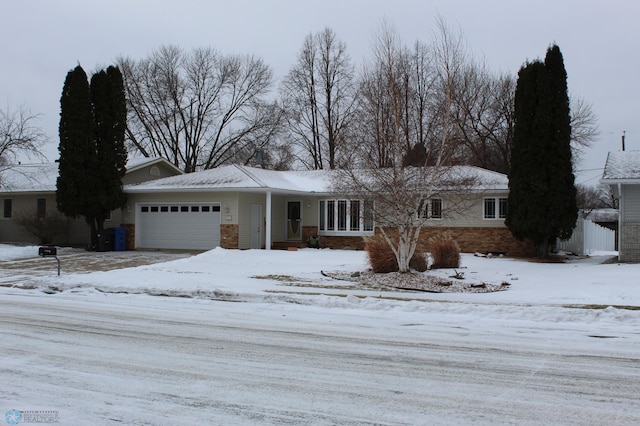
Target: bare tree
[
  {"x": 402, "y": 92},
  {"x": 595, "y": 197},
  {"x": 484, "y": 116},
  {"x": 318, "y": 96},
  {"x": 198, "y": 109},
  {"x": 584, "y": 126},
  {"x": 19, "y": 135}
]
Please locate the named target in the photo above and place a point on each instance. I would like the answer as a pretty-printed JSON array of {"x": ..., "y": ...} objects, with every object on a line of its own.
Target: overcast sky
[{"x": 41, "y": 40}]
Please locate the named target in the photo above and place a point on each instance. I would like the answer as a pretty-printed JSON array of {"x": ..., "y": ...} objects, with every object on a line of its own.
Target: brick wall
[
  {"x": 229, "y": 236},
  {"x": 340, "y": 242},
  {"x": 483, "y": 240},
  {"x": 470, "y": 240},
  {"x": 630, "y": 242},
  {"x": 309, "y": 231}
]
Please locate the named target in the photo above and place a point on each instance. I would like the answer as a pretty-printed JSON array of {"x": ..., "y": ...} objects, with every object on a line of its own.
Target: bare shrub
[
  {"x": 445, "y": 252},
  {"x": 382, "y": 259},
  {"x": 44, "y": 228},
  {"x": 420, "y": 259}
]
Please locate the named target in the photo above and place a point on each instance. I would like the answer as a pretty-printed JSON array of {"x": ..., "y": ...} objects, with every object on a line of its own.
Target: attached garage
[{"x": 191, "y": 226}]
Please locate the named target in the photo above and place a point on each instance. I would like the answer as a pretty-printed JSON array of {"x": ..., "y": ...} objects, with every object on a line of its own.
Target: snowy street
[
  {"x": 148, "y": 360},
  {"x": 254, "y": 337}
]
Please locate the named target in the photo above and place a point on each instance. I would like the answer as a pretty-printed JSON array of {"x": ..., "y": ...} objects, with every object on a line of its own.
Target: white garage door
[{"x": 179, "y": 226}]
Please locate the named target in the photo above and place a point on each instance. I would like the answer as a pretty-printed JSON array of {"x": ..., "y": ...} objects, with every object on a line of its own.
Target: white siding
[{"x": 631, "y": 203}]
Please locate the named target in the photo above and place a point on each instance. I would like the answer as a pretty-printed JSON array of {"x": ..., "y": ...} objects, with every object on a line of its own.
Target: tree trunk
[
  {"x": 93, "y": 243},
  {"x": 542, "y": 248}
]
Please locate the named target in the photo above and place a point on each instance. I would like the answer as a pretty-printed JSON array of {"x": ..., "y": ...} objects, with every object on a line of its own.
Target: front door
[
  {"x": 256, "y": 226},
  {"x": 294, "y": 220}
]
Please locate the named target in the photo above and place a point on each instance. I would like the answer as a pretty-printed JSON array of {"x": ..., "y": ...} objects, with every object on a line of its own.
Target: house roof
[
  {"x": 29, "y": 178},
  {"x": 42, "y": 177},
  {"x": 242, "y": 178},
  {"x": 239, "y": 178},
  {"x": 622, "y": 167}
]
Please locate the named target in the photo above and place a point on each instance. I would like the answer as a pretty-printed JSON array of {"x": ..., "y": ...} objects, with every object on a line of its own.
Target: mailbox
[{"x": 47, "y": 251}]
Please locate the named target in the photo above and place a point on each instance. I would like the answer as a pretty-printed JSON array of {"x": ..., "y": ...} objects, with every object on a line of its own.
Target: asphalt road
[{"x": 141, "y": 360}]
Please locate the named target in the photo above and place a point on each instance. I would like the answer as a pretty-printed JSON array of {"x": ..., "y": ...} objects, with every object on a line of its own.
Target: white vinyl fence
[{"x": 589, "y": 237}]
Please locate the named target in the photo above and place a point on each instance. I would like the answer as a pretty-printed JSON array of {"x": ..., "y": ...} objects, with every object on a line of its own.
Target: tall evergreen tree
[
  {"x": 109, "y": 118},
  {"x": 77, "y": 180},
  {"x": 542, "y": 195},
  {"x": 92, "y": 153}
]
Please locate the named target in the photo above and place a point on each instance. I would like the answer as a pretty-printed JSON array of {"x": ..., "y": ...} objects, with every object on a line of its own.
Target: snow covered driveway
[{"x": 137, "y": 359}]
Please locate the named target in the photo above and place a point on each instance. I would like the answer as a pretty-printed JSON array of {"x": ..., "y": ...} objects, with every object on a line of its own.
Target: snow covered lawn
[
  {"x": 259, "y": 274},
  {"x": 560, "y": 346}
]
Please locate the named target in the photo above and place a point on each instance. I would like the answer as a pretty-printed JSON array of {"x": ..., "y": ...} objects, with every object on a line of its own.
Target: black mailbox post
[{"x": 49, "y": 252}]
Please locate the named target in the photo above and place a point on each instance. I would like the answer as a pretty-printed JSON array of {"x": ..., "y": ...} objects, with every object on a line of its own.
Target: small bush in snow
[
  {"x": 445, "y": 253},
  {"x": 382, "y": 259}
]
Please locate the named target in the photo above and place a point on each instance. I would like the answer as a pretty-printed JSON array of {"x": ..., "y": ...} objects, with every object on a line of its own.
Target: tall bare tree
[
  {"x": 484, "y": 115},
  {"x": 199, "y": 109},
  {"x": 407, "y": 101},
  {"x": 318, "y": 96},
  {"x": 19, "y": 135}
]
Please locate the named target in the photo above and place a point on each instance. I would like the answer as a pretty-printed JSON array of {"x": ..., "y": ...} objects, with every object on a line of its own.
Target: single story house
[
  {"x": 31, "y": 188},
  {"x": 241, "y": 207},
  {"x": 622, "y": 174}
]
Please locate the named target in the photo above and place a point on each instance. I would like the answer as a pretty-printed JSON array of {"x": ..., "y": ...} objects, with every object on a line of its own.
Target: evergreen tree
[
  {"x": 542, "y": 195},
  {"x": 565, "y": 195},
  {"x": 92, "y": 152},
  {"x": 77, "y": 181},
  {"x": 109, "y": 117}
]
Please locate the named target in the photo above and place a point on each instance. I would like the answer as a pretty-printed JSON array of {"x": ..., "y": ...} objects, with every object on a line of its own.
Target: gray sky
[{"x": 41, "y": 40}]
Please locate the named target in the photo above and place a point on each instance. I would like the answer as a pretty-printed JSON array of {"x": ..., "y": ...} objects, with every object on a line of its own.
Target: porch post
[{"x": 267, "y": 234}]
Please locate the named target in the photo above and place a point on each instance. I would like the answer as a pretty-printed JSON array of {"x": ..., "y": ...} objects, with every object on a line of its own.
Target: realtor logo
[{"x": 13, "y": 417}]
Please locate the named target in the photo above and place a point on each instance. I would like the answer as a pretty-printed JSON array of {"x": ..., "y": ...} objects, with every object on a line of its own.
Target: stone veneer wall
[
  {"x": 630, "y": 242},
  {"x": 229, "y": 235},
  {"x": 130, "y": 243},
  {"x": 470, "y": 240}
]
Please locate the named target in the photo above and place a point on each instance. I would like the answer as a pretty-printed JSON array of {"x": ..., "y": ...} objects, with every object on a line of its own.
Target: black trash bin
[{"x": 105, "y": 240}]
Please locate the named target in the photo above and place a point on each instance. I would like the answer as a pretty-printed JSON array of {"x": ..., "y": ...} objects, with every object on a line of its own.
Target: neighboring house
[
  {"x": 30, "y": 188},
  {"x": 240, "y": 207},
  {"x": 622, "y": 174}
]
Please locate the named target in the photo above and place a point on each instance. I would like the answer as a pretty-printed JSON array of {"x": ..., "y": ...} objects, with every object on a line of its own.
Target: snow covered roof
[
  {"x": 42, "y": 177},
  {"x": 235, "y": 177},
  {"x": 622, "y": 166},
  {"x": 29, "y": 178},
  {"x": 601, "y": 215}
]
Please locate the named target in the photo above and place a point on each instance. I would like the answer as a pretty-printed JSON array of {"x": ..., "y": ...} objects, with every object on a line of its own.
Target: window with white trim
[
  {"x": 345, "y": 217},
  {"x": 431, "y": 209},
  {"x": 495, "y": 208}
]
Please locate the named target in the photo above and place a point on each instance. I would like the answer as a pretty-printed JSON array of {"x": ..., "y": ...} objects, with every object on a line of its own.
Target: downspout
[
  {"x": 620, "y": 209},
  {"x": 267, "y": 236}
]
